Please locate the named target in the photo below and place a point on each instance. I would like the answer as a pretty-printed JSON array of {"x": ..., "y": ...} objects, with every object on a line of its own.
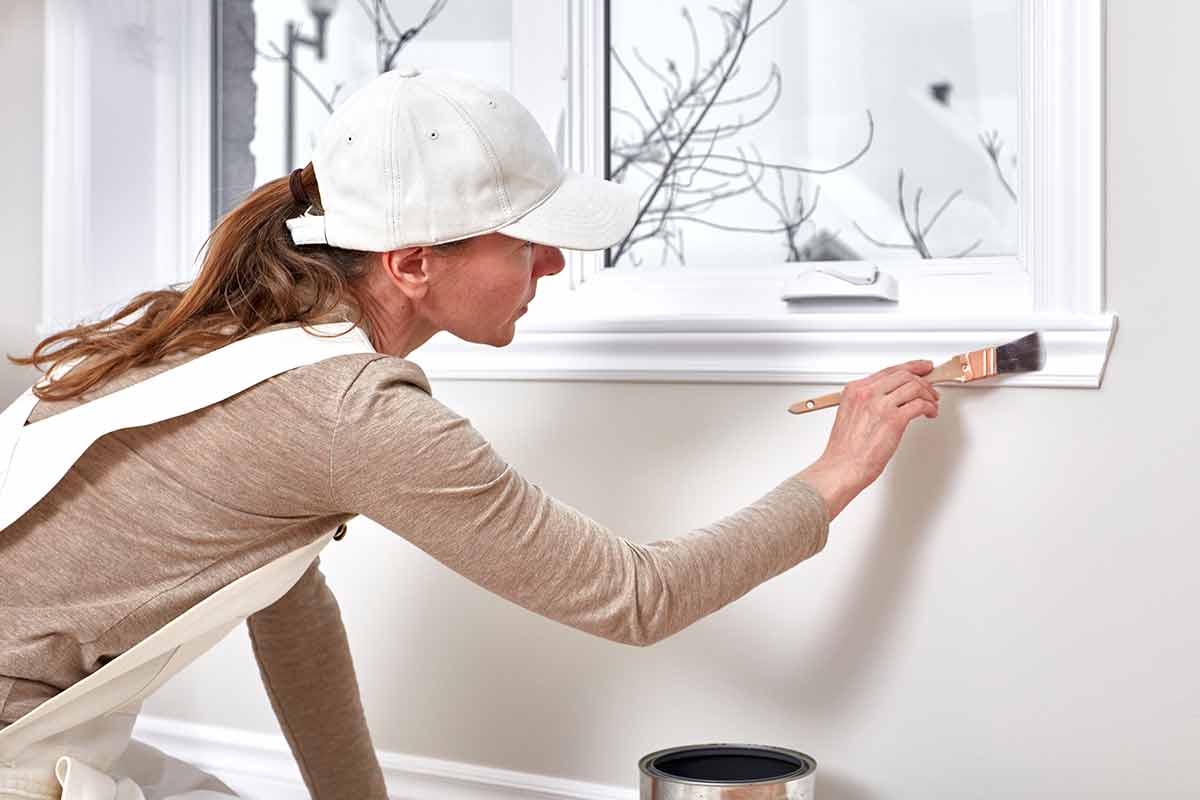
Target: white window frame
[
  {"x": 689, "y": 325},
  {"x": 182, "y": 137},
  {"x": 731, "y": 325}
]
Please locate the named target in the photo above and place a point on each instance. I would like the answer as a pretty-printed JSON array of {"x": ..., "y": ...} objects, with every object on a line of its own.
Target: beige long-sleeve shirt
[{"x": 152, "y": 519}]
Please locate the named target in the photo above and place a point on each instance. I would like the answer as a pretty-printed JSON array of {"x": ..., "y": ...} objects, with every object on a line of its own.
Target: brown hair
[{"x": 252, "y": 277}]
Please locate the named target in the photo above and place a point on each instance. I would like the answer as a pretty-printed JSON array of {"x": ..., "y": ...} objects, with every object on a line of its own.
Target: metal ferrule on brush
[{"x": 979, "y": 364}]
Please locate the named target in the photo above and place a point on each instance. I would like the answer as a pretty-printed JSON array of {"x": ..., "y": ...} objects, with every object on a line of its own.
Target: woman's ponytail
[{"x": 252, "y": 276}]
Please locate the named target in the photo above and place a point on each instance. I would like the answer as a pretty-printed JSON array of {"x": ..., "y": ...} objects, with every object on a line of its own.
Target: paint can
[{"x": 727, "y": 771}]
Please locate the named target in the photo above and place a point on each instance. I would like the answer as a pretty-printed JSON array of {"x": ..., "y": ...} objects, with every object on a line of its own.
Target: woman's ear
[{"x": 408, "y": 270}]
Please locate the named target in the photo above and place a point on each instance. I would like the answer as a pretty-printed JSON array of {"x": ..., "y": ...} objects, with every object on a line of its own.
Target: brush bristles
[{"x": 1022, "y": 355}]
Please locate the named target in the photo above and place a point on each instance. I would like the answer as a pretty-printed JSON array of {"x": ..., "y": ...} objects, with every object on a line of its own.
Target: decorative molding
[
  {"x": 824, "y": 349},
  {"x": 66, "y": 163},
  {"x": 260, "y": 766},
  {"x": 1062, "y": 174},
  {"x": 584, "y": 121},
  {"x": 184, "y": 94}
]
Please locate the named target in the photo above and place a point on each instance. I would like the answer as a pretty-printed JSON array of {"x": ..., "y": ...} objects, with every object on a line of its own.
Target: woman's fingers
[
  {"x": 891, "y": 382},
  {"x": 918, "y": 367},
  {"x": 915, "y": 408},
  {"x": 911, "y": 390}
]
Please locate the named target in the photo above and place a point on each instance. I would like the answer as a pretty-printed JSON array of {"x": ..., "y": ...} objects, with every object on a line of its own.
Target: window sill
[
  {"x": 789, "y": 348},
  {"x": 696, "y": 326}
]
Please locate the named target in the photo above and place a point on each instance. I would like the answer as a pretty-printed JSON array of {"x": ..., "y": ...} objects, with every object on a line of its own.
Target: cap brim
[{"x": 583, "y": 213}]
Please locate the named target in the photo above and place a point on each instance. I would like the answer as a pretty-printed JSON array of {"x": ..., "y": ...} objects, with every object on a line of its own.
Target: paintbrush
[{"x": 1020, "y": 355}]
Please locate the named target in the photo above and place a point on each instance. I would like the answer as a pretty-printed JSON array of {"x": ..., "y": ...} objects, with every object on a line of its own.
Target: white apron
[{"x": 77, "y": 745}]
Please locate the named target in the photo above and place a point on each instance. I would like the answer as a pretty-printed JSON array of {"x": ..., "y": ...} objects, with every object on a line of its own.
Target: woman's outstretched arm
[{"x": 413, "y": 465}]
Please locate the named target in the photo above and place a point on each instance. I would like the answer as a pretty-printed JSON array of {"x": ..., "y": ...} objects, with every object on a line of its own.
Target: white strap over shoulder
[{"x": 36, "y": 456}]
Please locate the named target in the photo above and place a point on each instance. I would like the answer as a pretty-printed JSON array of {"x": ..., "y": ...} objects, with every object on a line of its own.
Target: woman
[{"x": 441, "y": 207}]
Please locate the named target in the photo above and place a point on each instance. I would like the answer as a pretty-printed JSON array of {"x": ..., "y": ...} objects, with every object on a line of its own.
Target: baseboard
[{"x": 260, "y": 766}]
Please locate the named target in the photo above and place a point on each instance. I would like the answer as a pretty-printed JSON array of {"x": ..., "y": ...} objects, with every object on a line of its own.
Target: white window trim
[
  {"x": 675, "y": 325},
  {"x": 731, "y": 325},
  {"x": 183, "y": 136}
]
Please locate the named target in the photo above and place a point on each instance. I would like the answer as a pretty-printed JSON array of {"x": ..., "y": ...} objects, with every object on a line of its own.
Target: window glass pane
[
  {"x": 712, "y": 106},
  {"x": 469, "y": 37}
]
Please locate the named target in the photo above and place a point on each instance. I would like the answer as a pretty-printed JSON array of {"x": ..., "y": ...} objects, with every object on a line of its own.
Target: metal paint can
[{"x": 727, "y": 771}]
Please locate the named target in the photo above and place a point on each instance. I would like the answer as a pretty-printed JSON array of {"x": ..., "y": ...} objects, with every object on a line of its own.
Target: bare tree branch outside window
[
  {"x": 674, "y": 150},
  {"x": 390, "y": 40},
  {"x": 689, "y": 168}
]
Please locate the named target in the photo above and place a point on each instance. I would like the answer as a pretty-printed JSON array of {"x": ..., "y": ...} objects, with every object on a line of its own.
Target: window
[
  {"x": 195, "y": 121},
  {"x": 718, "y": 319}
]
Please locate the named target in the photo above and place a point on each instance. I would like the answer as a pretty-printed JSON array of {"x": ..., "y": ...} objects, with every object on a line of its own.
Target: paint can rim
[{"x": 658, "y": 764}]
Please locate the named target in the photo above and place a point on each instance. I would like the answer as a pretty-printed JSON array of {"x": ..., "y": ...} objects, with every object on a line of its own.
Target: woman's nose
[{"x": 550, "y": 260}]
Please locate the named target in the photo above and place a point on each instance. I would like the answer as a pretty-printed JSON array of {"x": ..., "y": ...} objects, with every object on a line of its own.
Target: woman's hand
[{"x": 873, "y": 414}]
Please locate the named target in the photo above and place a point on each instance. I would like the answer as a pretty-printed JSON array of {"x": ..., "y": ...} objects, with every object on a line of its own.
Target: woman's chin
[{"x": 505, "y": 335}]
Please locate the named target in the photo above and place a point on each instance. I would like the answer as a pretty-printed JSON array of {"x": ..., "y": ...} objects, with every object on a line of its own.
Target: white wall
[{"x": 1009, "y": 611}]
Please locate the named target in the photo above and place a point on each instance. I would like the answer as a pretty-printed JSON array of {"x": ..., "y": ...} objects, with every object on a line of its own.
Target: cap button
[{"x": 407, "y": 71}]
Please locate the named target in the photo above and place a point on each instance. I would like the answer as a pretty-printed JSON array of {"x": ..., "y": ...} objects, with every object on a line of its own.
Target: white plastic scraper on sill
[{"x": 841, "y": 281}]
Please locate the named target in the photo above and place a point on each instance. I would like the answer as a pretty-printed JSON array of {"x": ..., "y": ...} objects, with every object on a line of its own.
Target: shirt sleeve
[
  {"x": 413, "y": 465},
  {"x": 304, "y": 660}
]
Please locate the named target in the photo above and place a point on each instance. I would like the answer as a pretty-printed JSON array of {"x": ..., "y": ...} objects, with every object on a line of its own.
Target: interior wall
[{"x": 1008, "y": 611}]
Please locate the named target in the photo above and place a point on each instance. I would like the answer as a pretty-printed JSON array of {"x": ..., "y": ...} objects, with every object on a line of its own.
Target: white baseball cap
[{"x": 426, "y": 156}]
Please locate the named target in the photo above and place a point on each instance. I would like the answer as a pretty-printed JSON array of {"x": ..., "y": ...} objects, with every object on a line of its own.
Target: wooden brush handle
[
  {"x": 951, "y": 370},
  {"x": 816, "y": 403}
]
